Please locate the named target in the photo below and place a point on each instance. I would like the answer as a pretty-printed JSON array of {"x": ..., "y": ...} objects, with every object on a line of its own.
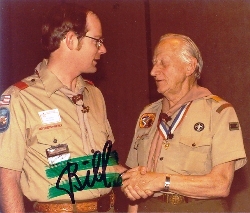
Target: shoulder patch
[
  {"x": 4, "y": 119},
  {"x": 147, "y": 120},
  {"x": 5, "y": 100},
  {"x": 223, "y": 106},
  {"x": 89, "y": 82},
  {"x": 234, "y": 126},
  {"x": 21, "y": 85}
]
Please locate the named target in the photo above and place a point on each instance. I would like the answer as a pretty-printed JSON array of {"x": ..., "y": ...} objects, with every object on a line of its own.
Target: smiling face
[
  {"x": 88, "y": 52},
  {"x": 169, "y": 70}
]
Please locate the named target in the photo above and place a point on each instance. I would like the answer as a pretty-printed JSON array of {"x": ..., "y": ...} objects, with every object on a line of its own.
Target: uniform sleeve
[
  {"x": 227, "y": 142},
  {"x": 12, "y": 135}
]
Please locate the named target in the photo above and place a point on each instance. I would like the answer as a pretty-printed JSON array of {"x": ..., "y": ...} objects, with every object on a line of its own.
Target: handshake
[{"x": 138, "y": 183}]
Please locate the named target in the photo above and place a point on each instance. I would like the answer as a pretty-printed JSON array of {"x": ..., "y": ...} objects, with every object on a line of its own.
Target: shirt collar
[
  {"x": 51, "y": 83},
  {"x": 195, "y": 93}
]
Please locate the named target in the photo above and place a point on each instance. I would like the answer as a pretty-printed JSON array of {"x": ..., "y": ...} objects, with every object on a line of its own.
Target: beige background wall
[{"x": 221, "y": 29}]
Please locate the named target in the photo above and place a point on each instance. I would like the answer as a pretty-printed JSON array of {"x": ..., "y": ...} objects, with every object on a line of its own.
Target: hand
[{"x": 135, "y": 183}]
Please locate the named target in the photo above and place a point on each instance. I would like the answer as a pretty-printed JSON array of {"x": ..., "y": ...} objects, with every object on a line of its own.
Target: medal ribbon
[{"x": 166, "y": 130}]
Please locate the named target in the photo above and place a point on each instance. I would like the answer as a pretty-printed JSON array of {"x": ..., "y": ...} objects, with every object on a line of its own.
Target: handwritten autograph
[{"x": 99, "y": 179}]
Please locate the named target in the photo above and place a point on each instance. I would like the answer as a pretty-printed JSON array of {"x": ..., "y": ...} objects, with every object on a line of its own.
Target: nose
[
  {"x": 154, "y": 71},
  {"x": 102, "y": 49}
]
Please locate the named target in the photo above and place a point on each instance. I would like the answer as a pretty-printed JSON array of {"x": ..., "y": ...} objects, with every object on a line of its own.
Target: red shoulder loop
[
  {"x": 21, "y": 85},
  {"x": 89, "y": 82}
]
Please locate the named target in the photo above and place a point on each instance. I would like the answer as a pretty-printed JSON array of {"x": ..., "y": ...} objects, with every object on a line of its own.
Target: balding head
[{"x": 186, "y": 49}]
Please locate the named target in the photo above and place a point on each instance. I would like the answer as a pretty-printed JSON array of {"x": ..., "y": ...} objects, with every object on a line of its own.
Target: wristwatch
[{"x": 167, "y": 183}]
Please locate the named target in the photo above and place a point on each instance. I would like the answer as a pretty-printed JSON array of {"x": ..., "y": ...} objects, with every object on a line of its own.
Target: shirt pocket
[
  {"x": 139, "y": 140},
  {"x": 195, "y": 155},
  {"x": 53, "y": 137},
  {"x": 48, "y": 138}
]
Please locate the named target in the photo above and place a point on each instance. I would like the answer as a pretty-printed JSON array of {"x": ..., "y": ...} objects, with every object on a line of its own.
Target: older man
[{"x": 190, "y": 141}]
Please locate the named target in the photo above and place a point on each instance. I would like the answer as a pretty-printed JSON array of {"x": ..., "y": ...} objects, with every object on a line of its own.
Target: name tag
[
  {"x": 50, "y": 116},
  {"x": 57, "y": 154}
]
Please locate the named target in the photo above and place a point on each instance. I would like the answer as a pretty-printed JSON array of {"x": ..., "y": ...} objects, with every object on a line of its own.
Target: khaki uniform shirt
[
  {"x": 193, "y": 150},
  {"x": 25, "y": 137}
]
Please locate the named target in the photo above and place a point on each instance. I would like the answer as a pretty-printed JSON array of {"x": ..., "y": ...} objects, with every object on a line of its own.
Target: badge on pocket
[{"x": 57, "y": 154}]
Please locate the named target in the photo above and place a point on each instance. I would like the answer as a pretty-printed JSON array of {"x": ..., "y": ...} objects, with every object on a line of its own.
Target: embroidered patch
[
  {"x": 234, "y": 126},
  {"x": 199, "y": 127},
  {"x": 147, "y": 120},
  {"x": 5, "y": 100},
  {"x": 4, "y": 119}
]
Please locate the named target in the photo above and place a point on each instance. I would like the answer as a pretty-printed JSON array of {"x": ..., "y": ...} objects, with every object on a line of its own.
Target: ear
[
  {"x": 191, "y": 66},
  {"x": 71, "y": 40}
]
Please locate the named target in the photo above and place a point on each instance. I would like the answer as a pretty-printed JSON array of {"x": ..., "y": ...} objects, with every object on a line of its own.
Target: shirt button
[
  {"x": 193, "y": 144},
  {"x": 161, "y": 158}
]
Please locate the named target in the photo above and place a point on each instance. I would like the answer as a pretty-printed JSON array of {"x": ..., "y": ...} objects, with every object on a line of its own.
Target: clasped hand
[{"x": 138, "y": 183}]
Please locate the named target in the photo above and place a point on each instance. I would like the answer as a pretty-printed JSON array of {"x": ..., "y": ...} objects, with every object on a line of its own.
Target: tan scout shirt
[
  {"x": 23, "y": 143},
  {"x": 191, "y": 152}
]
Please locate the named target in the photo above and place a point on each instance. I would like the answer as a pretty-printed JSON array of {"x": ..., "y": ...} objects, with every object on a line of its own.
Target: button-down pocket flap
[
  {"x": 54, "y": 137},
  {"x": 191, "y": 142}
]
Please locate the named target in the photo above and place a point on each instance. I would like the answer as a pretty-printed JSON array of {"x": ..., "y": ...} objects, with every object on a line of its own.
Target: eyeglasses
[{"x": 99, "y": 42}]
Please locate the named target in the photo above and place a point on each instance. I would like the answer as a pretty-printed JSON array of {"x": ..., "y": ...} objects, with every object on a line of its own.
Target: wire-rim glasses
[{"x": 99, "y": 42}]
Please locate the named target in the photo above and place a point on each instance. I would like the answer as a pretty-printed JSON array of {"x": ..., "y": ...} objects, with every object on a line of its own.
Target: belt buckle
[{"x": 176, "y": 199}]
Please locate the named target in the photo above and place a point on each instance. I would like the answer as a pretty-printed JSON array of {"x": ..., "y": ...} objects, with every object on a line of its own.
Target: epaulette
[
  {"x": 89, "y": 82},
  {"x": 21, "y": 85},
  {"x": 223, "y": 105},
  {"x": 217, "y": 98},
  {"x": 25, "y": 83}
]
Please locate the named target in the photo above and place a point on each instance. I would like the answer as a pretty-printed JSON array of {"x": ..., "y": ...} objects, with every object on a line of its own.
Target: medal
[
  {"x": 166, "y": 144},
  {"x": 166, "y": 131}
]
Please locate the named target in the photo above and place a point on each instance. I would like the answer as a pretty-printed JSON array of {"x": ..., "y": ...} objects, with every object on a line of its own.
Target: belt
[
  {"x": 101, "y": 204},
  {"x": 175, "y": 199}
]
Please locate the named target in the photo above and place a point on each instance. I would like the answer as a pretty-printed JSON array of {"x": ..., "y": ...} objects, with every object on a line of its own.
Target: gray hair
[{"x": 189, "y": 49}]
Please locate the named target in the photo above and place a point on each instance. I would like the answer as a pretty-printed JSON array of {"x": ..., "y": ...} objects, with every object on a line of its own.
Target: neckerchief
[{"x": 82, "y": 111}]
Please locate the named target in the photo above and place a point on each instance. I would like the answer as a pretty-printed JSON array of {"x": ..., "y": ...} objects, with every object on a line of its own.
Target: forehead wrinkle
[{"x": 169, "y": 47}]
